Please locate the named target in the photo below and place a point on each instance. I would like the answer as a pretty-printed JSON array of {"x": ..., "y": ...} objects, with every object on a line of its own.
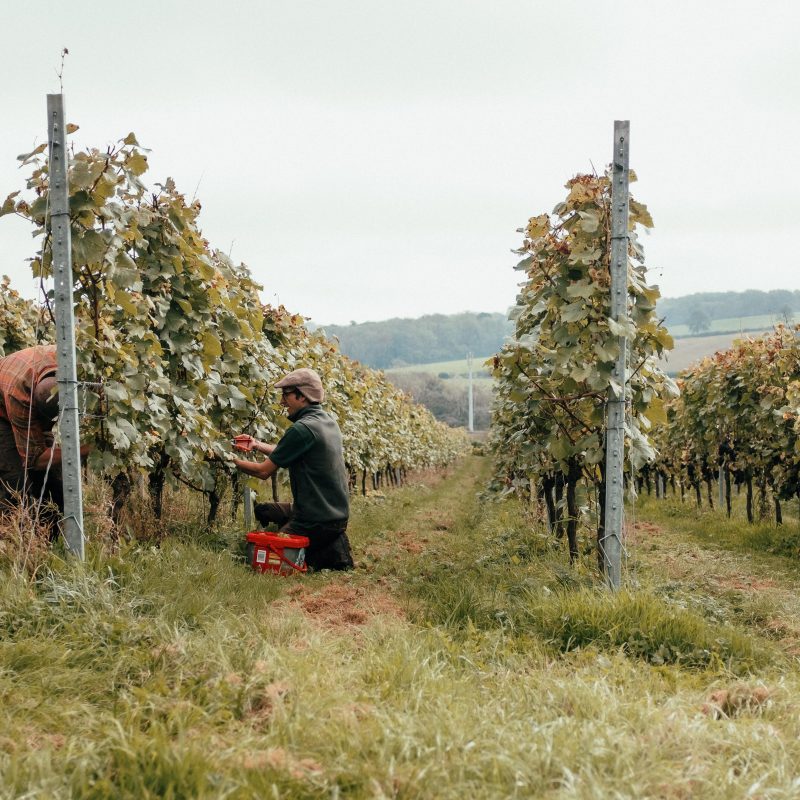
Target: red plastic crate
[{"x": 283, "y": 554}]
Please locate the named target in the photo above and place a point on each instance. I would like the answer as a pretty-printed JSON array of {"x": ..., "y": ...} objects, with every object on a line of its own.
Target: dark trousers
[
  {"x": 329, "y": 546},
  {"x": 15, "y": 484}
]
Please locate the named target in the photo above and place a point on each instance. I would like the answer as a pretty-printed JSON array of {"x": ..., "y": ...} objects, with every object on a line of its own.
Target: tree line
[
  {"x": 446, "y": 337},
  {"x": 426, "y": 340},
  {"x": 709, "y": 306}
]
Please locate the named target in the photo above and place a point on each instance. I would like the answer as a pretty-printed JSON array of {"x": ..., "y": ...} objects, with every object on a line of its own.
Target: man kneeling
[{"x": 312, "y": 450}]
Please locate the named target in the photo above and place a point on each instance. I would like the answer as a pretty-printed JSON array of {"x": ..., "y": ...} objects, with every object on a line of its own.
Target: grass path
[
  {"x": 462, "y": 658},
  {"x": 390, "y": 534},
  {"x": 721, "y": 567}
]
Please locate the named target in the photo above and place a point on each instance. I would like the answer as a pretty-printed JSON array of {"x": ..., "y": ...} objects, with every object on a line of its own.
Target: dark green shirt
[{"x": 312, "y": 450}]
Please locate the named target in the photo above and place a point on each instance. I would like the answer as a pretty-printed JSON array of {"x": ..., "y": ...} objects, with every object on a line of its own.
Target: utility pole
[
  {"x": 66, "y": 368},
  {"x": 615, "y": 428},
  {"x": 470, "y": 426}
]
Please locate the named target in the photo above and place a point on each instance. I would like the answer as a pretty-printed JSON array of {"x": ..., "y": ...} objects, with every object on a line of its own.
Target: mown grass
[
  {"x": 715, "y": 528},
  {"x": 173, "y": 671},
  {"x": 724, "y": 569}
]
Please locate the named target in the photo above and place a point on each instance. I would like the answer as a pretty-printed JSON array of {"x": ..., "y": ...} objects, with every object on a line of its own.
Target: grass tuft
[
  {"x": 24, "y": 538},
  {"x": 641, "y": 625},
  {"x": 714, "y": 527}
]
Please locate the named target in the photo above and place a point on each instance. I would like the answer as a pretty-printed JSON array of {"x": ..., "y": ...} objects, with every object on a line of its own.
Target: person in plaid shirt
[{"x": 29, "y": 463}]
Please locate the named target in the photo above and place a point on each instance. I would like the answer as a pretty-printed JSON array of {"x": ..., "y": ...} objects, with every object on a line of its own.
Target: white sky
[{"x": 373, "y": 158}]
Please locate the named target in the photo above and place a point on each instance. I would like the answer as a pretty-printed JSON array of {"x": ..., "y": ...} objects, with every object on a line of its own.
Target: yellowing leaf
[
  {"x": 582, "y": 288},
  {"x": 125, "y": 302},
  {"x": 664, "y": 339},
  {"x": 104, "y": 190},
  {"x": 640, "y": 214},
  {"x": 25, "y": 156},
  {"x": 234, "y": 352},
  {"x": 538, "y": 226},
  {"x": 136, "y": 163},
  {"x": 8, "y": 205},
  {"x": 656, "y": 412},
  {"x": 211, "y": 346},
  {"x": 625, "y": 328}
]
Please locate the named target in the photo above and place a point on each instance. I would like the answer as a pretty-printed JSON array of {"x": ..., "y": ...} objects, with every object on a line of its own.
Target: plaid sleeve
[{"x": 28, "y": 431}]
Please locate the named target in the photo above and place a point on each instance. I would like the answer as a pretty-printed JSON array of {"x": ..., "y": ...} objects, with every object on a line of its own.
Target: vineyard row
[{"x": 176, "y": 353}]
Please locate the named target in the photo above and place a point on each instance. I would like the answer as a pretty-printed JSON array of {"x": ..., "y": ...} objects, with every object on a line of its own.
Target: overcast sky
[{"x": 373, "y": 158}]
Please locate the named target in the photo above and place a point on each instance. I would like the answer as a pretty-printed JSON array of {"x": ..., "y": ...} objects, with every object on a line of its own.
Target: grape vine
[
  {"x": 738, "y": 412},
  {"x": 553, "y": 377}
]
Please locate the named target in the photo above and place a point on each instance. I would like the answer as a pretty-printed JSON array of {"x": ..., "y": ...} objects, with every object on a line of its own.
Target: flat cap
[{"x": 306, "y": 381}]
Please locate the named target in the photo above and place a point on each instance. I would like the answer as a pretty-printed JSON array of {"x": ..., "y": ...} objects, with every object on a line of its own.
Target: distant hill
[
  {"x": 711, "y": 306},
  {"x": 434, "y": 337}
]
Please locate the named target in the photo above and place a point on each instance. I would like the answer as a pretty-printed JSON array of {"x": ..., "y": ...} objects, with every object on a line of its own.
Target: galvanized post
[
  {"x": 66, "y": 371},
  {"x": 615, "y": 431},
  {"x": 470, "y": 420},
  {"x": 248, "y": 509}
]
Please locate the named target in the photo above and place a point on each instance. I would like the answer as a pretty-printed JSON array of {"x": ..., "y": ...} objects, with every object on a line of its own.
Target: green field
[
  {"x": 735, "y": 325},
  {"x": 454, "y": 369}
]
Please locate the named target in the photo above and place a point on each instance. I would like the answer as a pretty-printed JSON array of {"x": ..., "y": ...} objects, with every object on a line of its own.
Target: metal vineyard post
[
  {"x": 65, "y": 326},
  {"x": 615, "y": 431}
]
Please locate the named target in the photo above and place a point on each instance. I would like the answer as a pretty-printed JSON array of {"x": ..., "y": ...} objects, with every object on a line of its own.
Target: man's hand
[
  {"x": 244, "y": 442},
  {"x": 247, "y": 443}
]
